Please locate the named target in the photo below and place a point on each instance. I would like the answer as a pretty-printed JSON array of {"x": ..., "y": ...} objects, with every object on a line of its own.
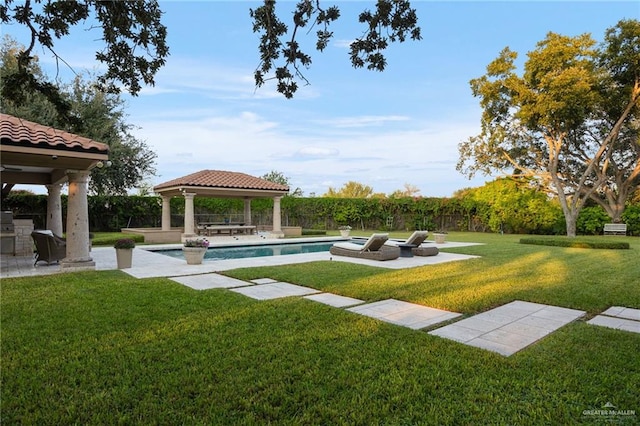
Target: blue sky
[{"x": 384, "y": 130}]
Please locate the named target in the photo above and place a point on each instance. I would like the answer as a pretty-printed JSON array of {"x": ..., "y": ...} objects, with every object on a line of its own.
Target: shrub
[
  {"x": 124, "y": 243},
  {"x": 576, "y": 243},
  {"x": 591, "y": 221}
]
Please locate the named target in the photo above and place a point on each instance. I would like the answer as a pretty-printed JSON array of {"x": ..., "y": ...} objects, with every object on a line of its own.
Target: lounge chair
[
  {"x": 374, "y": 249},
  {"x": 49, "y": 247},
  {"x": 415, "y": 240}
]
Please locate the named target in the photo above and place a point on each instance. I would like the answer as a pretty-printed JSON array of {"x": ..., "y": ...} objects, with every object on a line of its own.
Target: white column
[
  {"x": 166, "y": 213},
  {"x": 78, "y": 256},
  {"x": 247, "y": 211},
  {"x": 277, "y": 226},
  {"x": 189, "y": 220},
  {"x": 54, "y": 209}
]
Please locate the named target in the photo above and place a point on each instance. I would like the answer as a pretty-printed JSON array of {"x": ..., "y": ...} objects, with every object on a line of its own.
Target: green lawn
[{"x": 105, "y": 348}]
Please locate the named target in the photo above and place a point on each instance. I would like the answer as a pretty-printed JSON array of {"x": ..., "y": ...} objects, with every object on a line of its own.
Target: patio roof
[
  {"x": 219, "y": 183},
  {"x": 42, "y": 155}
]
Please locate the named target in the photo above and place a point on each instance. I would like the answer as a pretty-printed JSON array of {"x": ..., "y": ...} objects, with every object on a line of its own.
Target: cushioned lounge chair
[
  {"x": 374, "y": 249},
  {"x": 49, "y": 247},
  {"x": 417, "y": 238}
]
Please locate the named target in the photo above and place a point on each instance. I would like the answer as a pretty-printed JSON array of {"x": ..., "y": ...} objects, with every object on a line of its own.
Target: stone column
[
  {"x": 189, "y": 221},
  {"x": 247, "y": 211},
  {"x": 54, "y": 209},
  {"x": 277, "y": 226},
  {"x": 78, "y": 256},
  {"x": 166, "y": 213}
]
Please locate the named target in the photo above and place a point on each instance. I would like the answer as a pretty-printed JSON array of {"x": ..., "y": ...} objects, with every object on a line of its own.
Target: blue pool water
[{"x": 220, "y": 253}]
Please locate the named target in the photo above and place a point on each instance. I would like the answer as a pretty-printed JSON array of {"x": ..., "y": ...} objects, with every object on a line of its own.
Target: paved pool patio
[{"x": 148, "y": 263}]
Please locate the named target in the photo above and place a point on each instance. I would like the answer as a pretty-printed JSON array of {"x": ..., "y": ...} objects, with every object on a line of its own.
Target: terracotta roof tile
[
  {"x": 14, "y": 130},
  {"x": 223, "y": 179}
]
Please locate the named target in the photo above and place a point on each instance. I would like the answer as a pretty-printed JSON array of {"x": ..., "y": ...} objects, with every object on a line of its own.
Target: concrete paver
[
  {"x": 622, "y": 312},
  {"x": 405, "y": 314},
  {"x": 209, "y": 281},
  {"x": 274, "y": 291},
  {"x": 264, "y": 281},
  {"x": 334, "y": 300},
  {"x": 509, "y": 328},
  {"x": 616, "y": 323}
]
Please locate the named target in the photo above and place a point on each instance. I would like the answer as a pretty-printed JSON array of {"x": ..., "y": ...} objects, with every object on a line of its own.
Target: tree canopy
[
  {"x": 350, "y": 189},
  {"x": 135, "y": 45},
  {"x": 279, "y": 177},
  {"x": 571, "y": 120},
  {"x": 99, "y": 116}
]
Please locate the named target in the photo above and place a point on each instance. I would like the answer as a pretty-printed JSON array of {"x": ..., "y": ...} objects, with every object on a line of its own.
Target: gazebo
[
  {"x": 40, "y": 155},
  {"x": 219, "y": 184}
]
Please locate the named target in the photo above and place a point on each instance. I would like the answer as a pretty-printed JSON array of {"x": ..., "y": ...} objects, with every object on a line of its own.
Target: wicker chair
[{"x": 49, "y": 247}]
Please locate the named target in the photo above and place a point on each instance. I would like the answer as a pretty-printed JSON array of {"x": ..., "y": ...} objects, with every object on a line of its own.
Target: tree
[
  {"x": 350, "y": 189},
  {"x": 135, "y": 41},
  {"x": 99, "y": 116},
  {"x": 511, "y": 205},
  {"x": 392, "y": 21},
  {"x": 278, "y": 177},
  {"x": 409, "y": 191},
  {"x": 134, "y": 38},
  {"x": 561, "y": 121},
  {"x": 621, "y": 170}
]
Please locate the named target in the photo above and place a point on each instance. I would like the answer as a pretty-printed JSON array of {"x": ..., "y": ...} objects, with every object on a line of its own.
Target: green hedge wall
[{"x": 108, "y": 214}]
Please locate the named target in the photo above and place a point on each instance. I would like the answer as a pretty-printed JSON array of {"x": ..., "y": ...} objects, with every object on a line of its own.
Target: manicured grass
[{"x": 105, "y": 348}]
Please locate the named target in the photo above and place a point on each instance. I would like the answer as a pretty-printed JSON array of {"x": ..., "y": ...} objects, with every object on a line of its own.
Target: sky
[{"x": 382, "y": 129}]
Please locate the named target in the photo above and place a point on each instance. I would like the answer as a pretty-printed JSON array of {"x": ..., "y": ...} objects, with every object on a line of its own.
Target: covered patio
[
  {"x": 34, "y": 154},
  {"x": 220, "y": 184}
]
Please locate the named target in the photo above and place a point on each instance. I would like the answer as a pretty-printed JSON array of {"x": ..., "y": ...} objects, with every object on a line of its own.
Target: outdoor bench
[{"x": 615, "y": 229}]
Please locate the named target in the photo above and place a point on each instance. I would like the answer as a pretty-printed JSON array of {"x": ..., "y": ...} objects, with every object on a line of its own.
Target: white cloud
[{"x": 364, "y": 121}]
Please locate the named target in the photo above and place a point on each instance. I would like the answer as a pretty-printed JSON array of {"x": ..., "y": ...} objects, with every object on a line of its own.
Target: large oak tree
[{"x": 571, "y": 120}]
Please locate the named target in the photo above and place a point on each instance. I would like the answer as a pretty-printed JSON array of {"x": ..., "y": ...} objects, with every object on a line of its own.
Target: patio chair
[
  {"x": 374, "y": 249},
  {"x": 49, "y": 247}
]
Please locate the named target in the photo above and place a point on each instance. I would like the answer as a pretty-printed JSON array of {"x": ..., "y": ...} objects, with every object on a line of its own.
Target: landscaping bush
[
  {"x": 110, "y": 238},
  {"x": 591, "y": 221},
  {"x": 576, "y": 243},
  {"x": 631, "y": 217}
]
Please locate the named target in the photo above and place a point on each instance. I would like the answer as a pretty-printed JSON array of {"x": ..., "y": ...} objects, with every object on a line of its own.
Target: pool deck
[{"x": 147, "y": 264}]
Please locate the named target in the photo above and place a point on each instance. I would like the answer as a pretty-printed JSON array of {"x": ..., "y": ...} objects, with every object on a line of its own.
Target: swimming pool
[{"x": 242, "y": 252}]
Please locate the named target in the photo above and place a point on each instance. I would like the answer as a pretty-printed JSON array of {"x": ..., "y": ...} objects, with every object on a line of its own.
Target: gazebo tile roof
[
  {"x": 222, "y": 179},
  {"x": 19, "y": 131}
]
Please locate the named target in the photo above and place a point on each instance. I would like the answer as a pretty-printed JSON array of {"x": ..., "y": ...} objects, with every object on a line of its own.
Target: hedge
[{"x": 111, "y": 213}]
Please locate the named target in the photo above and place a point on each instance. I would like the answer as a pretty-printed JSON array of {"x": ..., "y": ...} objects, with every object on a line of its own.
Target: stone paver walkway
[
  {"x": 506, "y": 329},
  {"x": 509, "y": 328},
  {"x": 404, "y": 313},
  {"x": 619, "y": 318}
]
